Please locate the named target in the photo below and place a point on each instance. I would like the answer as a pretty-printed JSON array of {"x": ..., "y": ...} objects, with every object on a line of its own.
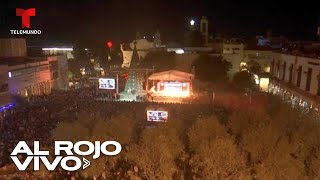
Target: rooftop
[
  {"x": 303, "y": 49},
  {"x": 20, "y": 60},
  {"x": 300, "y": 54},
  {"x": 258, "y": 48}
]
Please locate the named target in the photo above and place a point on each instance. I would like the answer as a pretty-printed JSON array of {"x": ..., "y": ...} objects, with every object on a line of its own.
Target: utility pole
[{"x": 117, "y": 89}]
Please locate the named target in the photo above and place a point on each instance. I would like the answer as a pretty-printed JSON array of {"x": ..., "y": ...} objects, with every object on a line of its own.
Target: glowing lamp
[{"x": 109, "y": 44}]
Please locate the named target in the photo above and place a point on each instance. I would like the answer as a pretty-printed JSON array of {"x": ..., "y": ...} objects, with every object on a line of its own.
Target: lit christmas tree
[{"x": 134, "y": 83}]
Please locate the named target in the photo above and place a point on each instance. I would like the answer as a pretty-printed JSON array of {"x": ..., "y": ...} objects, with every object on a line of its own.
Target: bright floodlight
[
  {"x": 192, "y": 22},
  {"x": 256, "y": 78},
  {"x": 57, "y": 49},
  {"x": 179, "y": 51}
]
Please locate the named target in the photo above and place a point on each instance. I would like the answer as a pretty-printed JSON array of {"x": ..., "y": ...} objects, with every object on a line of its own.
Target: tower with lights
[
  {"x": 204, "y": 28},
  {"x": 157, "y": 39},
  {"x": 192, "y": 25}
]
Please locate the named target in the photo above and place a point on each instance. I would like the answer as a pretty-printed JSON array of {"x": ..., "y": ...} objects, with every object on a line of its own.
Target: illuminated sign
[
  {"x": 107, "y": 83},
  {"x": 25, "y": 15},
  {"x": 157, "y": 116}
]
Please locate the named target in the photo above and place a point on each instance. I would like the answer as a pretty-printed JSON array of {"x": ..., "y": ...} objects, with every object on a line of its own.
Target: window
[
  {"x": 284, "y": 71},
  {"x": 308, "y": 79},
  {"x": 299, "y": 76},
  {"x": 290, "y": 75},
  {"x": 55, "y": 75}
]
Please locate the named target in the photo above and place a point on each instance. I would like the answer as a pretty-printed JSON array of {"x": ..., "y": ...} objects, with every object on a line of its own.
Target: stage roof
[{"x": 172, "y": 75}]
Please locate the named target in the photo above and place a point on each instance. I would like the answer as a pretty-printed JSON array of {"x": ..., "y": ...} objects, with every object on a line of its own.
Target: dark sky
[{"x": 118, "y": 20}]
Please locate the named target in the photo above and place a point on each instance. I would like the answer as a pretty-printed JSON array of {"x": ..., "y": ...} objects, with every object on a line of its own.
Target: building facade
[
  {"x": 26, "y": 76},
  {"x": 262, "y": 56},
  {"x": 228, "y": 46},
  {"x": 5, "y": 97},
  {"x": 13, "y": 47},
  {"x": 9, "y": 48},
  {"x": 38, "y": 76},
  {"x": 142, "y": 46},
  {"x": 296, "y": 77},
  {"x": 58, "y": 50}
]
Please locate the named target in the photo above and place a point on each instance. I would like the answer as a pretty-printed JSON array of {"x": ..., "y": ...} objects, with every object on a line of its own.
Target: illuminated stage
[
  {"x": 171, "y": 85},
  {"x": 168, "y": 86},
  {"x": 173, "y": 89}
]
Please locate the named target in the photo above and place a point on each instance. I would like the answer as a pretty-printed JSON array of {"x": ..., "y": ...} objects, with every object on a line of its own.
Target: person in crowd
[{"x": 35, "y": 118}]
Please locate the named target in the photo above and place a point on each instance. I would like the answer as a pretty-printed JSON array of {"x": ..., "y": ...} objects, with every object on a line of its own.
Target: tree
[
  {"x": 134, "y": 84},
  {"x": 254, "y": 67},
  {"x": 212, "y": 69},
  {"x": 101, "y": 166},
  {"x": 273, "y": 142},
  {"x": 93, "y": 127},
  {"x": 216, "y": 156},
  {"x": 243, "y": 80},
  {"x": 220, "y": 158},
  {"x": 121, "y": 128},
  {"x": 281, "y": 163},
  {"x": 205, "y": 129},
  {"x": 156, "y": 152},
  {"x": 81, "y": 60}
]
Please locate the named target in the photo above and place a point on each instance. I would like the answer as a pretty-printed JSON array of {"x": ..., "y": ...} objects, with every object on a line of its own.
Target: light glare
[{"x": 192, "y": 22}]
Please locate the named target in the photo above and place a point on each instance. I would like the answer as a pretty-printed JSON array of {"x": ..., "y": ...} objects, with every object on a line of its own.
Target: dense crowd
[{"x": 33, "y": 119}]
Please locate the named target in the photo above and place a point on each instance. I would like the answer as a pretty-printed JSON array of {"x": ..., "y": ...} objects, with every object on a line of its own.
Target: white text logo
[{"x": 64, "y": 152}]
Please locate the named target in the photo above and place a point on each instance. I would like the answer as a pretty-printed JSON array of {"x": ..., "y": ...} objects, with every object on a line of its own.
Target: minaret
[
  {"x": 157, "y": 39},
  {"x": 204, "y": 28},
  {"x": 138, "y": 36}
]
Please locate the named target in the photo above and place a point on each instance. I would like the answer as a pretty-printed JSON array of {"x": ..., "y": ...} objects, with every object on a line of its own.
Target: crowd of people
[{"x": 34, "y": 118}]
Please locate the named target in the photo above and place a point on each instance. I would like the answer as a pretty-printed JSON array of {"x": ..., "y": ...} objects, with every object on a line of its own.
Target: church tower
[
  {"x": 204, "y": 28},
  {"x": 157, "y": 39}
]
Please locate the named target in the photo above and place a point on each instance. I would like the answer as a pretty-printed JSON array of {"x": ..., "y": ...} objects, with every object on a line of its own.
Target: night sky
[{"x": 118, "y": 20}]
